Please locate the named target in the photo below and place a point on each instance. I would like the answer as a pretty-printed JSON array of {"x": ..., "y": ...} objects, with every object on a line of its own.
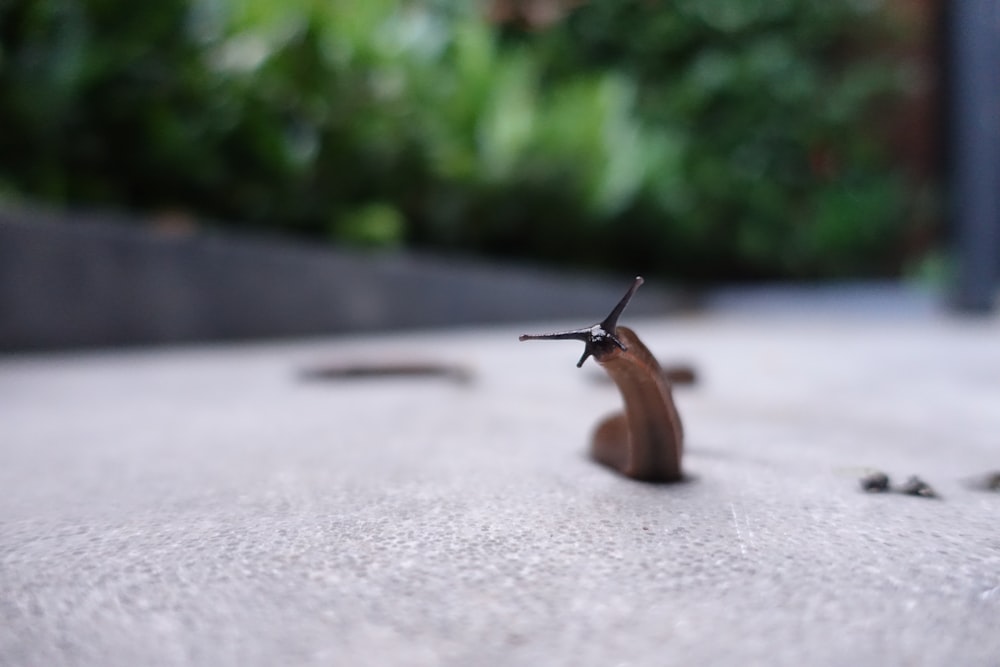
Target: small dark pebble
[
  {"x": 988, "y": 482},
  {"x": 876, "y": 482},
  {"x": 992, "y": 481},
  {"x": 917, "y": 487}
]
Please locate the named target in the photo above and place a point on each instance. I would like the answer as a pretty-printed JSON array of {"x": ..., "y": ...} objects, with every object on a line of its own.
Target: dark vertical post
[{"x": 975, "y": 150}]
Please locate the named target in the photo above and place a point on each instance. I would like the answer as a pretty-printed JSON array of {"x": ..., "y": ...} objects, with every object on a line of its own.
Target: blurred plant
[
  {"x": 783, "y": 167},
  {"x": 704, "y": 138}
]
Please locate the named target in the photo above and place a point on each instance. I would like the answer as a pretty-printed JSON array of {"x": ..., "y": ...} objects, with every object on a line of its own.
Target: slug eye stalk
[{"x": 599, "y": 338}]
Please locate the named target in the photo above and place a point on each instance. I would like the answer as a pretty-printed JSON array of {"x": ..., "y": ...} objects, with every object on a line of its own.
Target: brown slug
[{"x": 646, "y": 442}]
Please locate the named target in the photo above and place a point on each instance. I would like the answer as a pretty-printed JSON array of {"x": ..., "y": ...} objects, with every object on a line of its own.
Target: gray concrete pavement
[{"x": 203, "y": 506}]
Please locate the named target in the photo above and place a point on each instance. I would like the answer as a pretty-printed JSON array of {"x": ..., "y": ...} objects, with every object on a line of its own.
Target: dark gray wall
[{"x": 92, "y": 281}]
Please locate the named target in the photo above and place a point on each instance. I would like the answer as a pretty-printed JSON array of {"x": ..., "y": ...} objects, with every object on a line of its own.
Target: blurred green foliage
[{"x": 699, "y": 139}]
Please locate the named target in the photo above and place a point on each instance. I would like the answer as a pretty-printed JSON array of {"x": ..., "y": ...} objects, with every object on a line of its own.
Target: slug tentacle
[
  {"x": 646, "y": 442},
  {"x": 599, "y": 337}
]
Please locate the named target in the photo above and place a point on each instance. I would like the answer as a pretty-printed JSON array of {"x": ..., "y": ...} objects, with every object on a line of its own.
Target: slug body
[{"x": 646, "y": 441}]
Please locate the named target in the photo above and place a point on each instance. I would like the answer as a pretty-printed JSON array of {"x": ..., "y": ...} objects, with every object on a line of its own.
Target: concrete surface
[{"x": 204, "y": 506}]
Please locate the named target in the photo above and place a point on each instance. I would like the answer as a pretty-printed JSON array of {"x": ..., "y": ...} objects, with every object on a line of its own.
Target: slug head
[{"x": 598, "y": 339}]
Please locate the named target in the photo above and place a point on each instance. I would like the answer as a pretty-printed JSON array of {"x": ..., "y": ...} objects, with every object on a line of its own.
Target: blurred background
[{"x": 698, "y": 142}]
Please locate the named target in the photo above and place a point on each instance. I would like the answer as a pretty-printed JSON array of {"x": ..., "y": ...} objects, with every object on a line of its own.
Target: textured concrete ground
[{"x": 205, "y": 506}]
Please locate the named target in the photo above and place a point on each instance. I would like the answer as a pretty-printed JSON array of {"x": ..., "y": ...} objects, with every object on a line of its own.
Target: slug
[{"x": 646, "y": 441}]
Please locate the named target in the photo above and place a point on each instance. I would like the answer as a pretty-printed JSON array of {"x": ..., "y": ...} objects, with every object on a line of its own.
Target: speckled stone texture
[{"x": 205, "y": 506}]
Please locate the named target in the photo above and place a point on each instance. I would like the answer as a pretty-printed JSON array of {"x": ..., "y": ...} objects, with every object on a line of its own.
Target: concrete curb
[{"x": 92, "y": 280}]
